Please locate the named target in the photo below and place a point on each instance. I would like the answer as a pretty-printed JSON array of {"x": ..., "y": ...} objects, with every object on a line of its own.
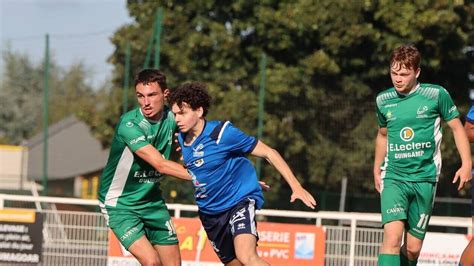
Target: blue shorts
[{"x": 223, "y": 227}]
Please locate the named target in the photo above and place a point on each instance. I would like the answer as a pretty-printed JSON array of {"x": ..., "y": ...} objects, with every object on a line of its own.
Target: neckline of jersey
[
  {"x": 196, "y": 137},
  {"x": 412, "y": 92},
  {"x": 152, "y": 120}
]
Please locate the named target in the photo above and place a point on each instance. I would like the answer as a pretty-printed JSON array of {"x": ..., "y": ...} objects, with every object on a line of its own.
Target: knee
[
  {"x": 150, "y": 261},
  {"x": 413, "y": 251},
  {"x": 392, "y": 241},
  {"x": 247, "y": 258}
]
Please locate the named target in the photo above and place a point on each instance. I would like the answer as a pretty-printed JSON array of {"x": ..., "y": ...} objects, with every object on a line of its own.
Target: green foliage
[
  {"x": 22, "y": 96},
  {"x": 326, "y": 62},
  {"x": 20, "y": 99}
]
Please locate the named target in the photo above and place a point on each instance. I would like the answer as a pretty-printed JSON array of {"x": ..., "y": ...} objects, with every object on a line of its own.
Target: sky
[{"x": 79, "y": 31}]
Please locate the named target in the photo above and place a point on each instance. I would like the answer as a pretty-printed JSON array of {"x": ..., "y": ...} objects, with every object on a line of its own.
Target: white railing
[{"x": 353, "y": 224}]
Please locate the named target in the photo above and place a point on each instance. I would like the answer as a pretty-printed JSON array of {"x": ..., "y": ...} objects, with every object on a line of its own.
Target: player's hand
[
  {"x": 178, "y": 148},
  {"x": 377, "y": 179},
  {"x": 464, "y": 175},
  {"x": 264, "y": 186},
  {"x": 304, "y": 196}
]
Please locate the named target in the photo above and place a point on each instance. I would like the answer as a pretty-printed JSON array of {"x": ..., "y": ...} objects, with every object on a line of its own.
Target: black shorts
[{"x": 223, "y": 227}]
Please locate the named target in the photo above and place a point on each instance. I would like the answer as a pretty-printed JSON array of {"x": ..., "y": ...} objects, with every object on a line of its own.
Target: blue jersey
[
  {"x": 470, "y": 119},
  {"x": 222, "y": 174},
  {"x": 470, "y": 115}
]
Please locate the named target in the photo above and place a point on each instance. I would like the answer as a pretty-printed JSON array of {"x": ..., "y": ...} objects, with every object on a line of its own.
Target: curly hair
[
  {"x": 147, "y": 76},
  {"x": 192, "y": 93},
  {"x": 406, "y": 55}
]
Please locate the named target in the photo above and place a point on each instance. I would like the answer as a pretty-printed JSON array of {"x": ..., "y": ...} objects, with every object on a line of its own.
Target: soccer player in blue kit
[
  {"x": 227, "y": 191},
  {"x": 467, "y": 258}
]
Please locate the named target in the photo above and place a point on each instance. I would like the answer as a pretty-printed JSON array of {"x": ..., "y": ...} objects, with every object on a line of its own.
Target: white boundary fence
[{"x": 80, "y": 237}]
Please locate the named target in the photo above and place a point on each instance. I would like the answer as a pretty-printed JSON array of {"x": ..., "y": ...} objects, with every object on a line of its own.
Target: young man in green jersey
[
  {"x": 129, "y": 195},
  {"x": 407, "y": 160},
  {"x": 467, "y": 257}
]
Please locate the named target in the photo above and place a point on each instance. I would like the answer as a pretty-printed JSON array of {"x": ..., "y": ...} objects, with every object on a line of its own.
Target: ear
[
  {"x": 200, "y": 111},
  {"x": 417, "y": 73},
  {"x": 166, "y": 93}
]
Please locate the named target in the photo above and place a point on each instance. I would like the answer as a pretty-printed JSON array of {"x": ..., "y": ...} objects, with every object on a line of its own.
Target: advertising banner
[
  {"x": 442, "y": 249},
  {"x": 21, "y": 236},
  {"x": 279, "y": 244}
]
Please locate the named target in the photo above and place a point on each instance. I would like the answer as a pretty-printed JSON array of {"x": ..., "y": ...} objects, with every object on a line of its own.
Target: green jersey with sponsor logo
[
  {"x": 128, "y": 181},
  {"x": 413, "y": 125}
]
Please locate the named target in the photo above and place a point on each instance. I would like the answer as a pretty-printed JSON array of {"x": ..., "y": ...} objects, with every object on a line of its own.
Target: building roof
[{"x": 72, "y": 151}]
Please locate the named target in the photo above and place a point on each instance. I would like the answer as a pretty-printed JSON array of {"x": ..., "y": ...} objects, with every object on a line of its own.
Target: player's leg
[
  {"x": 161, "y": 233},
  {"x": 244, "y": 230},
  {"x": 410, "y": 250},
  {"x": 246, "y": 250},
  {"x": 467, "y": 257},
  {"x": 392, "y": 239},
  {"x": 394, "y": 204},
  {"x": 169, "y": 254},
  {"x": 144, "y": 252},
  {"x": 234, "y": 262},
  {"x": 129, "y": 229},
  {"x": 419, "y": 214}
]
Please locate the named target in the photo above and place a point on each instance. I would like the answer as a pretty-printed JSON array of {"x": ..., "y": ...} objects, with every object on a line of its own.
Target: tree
[
  {"x": 326, "y": 62},
  {"x": 21, "y": 115}
]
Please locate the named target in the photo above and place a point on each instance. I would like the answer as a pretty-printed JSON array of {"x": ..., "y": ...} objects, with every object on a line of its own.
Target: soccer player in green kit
[
  {"x": 407, "y": 160},
  {"x": 129, "y": 195}
]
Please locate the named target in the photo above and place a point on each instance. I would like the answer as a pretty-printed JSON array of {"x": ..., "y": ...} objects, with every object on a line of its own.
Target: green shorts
[
  {"x": 411, "y": 202},
  {"x": 153, "y": 222}
]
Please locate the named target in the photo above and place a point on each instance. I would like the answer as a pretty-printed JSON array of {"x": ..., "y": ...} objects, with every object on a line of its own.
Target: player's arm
[
  {"x": 464, "y": 149},
  {"x": 380, "y": 153},
  {"x": 275, "y": 159},
  {"x": 152, "y": 156},
  {"x": 469, "y": 128}
]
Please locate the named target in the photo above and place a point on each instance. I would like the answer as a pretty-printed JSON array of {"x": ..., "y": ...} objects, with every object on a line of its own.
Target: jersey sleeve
[
  {"x": 447, "y": 109},
  {"x": 470, "y": 115},
  {"x": 132, "y": 135},
  {"x": 236, "y": 140},
  {"x": 381, "y": 120}
]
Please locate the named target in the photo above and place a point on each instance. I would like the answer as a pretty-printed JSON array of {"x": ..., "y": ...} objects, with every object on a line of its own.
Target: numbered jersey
[
  {"x": 128, "y": 181},
  {"x": 413, "y": 124}
]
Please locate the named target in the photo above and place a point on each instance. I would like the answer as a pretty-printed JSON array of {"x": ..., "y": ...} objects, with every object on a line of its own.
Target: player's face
[
  {"x": 403, "y": 79},
  {"x": 186, "y": 118},
  {"x": 151, "y": 99}
]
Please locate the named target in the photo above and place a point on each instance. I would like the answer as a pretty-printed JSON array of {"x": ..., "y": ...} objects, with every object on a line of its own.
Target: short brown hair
[
  {"x": 406, "y": 55},
  {"x": 147, "y": 76}
]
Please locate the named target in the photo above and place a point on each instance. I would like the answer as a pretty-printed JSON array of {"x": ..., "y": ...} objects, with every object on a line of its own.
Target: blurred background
[{"x": 302, "y": 75}]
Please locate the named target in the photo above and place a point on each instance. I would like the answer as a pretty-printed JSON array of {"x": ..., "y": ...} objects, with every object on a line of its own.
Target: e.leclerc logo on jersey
[
  {"x": 407, "y": 133},
  {"x": 410, "y": 149}
]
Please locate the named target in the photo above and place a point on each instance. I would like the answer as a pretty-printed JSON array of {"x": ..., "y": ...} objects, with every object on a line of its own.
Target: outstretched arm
[
  {"x": 464, "y": 173},
  {"x": 167, "y": 167},
  {"x": 275, "y": 159}
]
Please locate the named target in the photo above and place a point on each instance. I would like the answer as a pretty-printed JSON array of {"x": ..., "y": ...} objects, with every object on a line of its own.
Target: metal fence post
[{"x": 352, "y": 246}]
